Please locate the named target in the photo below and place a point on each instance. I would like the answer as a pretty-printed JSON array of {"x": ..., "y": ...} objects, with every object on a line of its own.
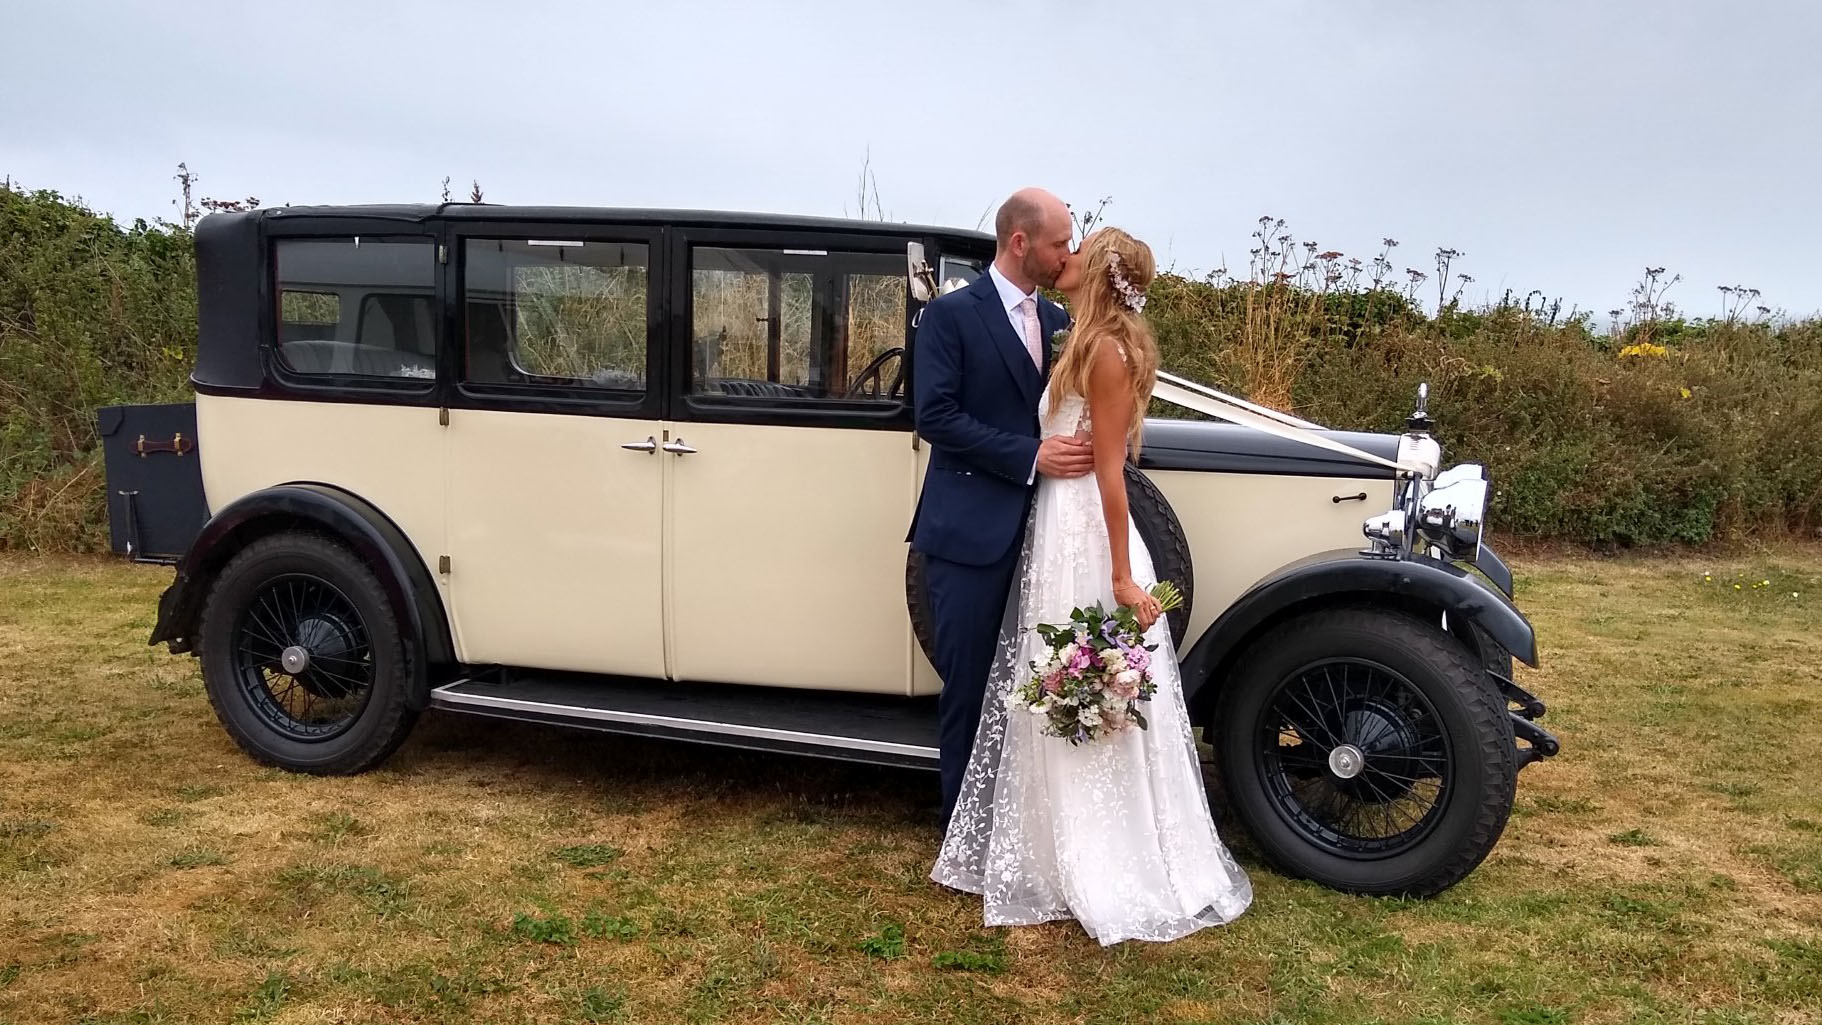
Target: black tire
[
  {"x": 1403, "y": 682},
  {"x": 305, "y": 591},
  {"x": 1158, "y": 526}
]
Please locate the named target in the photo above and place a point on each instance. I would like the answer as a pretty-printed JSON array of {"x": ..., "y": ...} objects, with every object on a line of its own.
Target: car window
[
  {"x": 557, "y": 311},
  {"x": 795, "y": 327},
  {"x": 356, "y": 307}
]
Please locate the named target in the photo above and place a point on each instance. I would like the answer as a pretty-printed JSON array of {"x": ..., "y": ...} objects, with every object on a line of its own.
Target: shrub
[{"x": 1662, "y": 429}]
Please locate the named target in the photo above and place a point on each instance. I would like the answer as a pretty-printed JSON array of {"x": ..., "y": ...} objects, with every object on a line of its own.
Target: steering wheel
[{"x": 871, "y": 382}]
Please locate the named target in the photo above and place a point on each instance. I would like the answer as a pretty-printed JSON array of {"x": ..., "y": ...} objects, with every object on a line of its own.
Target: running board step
[{"x": 874, "y": 728}]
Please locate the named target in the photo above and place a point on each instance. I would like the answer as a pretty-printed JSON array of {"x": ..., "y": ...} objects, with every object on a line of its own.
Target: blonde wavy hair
[{"x": 1103, "y": 317}]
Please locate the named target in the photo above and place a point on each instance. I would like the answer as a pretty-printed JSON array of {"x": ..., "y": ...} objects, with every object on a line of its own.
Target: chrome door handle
[
  {"x": 648, "y": 445},
  {"x": 678, "y": 447}
]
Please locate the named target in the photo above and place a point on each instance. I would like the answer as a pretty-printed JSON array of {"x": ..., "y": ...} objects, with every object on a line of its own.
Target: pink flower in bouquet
[
  {"x": 1081, "y": 659},
  {"x": 1138, "y": 658},
  {"x": 1053, "y": 683}
]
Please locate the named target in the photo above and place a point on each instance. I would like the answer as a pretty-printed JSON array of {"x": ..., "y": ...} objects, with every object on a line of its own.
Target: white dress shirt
[{"x": 1010, "y": 297}]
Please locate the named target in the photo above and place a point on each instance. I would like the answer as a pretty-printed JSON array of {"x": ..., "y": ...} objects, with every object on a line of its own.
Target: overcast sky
[{"x": 1562, "y": 145}]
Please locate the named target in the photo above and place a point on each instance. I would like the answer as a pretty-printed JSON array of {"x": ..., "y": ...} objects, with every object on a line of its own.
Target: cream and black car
[{"x": 604, "y": 469}]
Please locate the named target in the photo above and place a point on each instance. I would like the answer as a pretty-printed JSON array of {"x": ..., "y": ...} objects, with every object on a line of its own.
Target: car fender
[
  {"x": 1347, "y": 577},
  {"x": 373, "y": 537}
]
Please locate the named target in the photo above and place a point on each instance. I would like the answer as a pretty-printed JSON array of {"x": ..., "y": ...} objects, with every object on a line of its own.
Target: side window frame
[
  {"x": 688, "y": 407},
  {"x": 556, "y": 395},
  {"x": 282, "y": 381}
]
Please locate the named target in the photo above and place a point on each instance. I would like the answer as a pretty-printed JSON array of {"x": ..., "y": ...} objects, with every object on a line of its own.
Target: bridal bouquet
[{"x": 1097, "y": 672}]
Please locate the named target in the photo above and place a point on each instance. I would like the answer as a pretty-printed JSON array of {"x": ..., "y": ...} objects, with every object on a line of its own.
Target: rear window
[{"x": 357, "y": 307}]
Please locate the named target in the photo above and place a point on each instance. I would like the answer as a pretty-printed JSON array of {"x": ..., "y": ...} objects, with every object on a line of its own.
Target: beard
[{"x": 1044, "y": 275}]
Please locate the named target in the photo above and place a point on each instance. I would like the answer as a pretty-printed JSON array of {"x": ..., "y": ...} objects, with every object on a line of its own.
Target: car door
[
  {"x": 792, "y": 464},
  {"x": 555, "y": 487}
]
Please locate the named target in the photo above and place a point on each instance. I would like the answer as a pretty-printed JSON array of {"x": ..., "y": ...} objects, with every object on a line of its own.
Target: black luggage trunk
[{"x": 155, "y": 498}]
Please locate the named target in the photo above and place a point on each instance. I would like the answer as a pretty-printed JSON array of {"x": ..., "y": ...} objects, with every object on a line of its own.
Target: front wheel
[
  {"x": 1366, "y": 750},
  {"x": 302, "y": 658}
]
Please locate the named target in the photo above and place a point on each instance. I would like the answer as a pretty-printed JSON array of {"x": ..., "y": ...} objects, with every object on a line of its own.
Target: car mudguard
[
  {"x": 1347, "y": 577},
  {"x": 355, "y": 522}
]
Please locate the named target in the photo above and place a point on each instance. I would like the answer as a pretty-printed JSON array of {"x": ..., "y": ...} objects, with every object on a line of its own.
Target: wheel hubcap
[
  {"x": 1346, "y": 761},
  {"x": 1354, "y": 758},
  {"x": 296, "y": 659}
]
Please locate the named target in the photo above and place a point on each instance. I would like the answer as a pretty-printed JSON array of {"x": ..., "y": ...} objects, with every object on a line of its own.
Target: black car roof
[{"x": 417, "y": 213}]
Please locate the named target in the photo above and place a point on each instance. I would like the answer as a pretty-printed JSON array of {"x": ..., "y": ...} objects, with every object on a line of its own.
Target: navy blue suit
[{"x": 975, "y": 395}]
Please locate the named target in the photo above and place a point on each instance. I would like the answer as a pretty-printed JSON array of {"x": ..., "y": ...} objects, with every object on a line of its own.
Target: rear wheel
[
  {"x": 1366, "y": 750},
  {"x": 302, "y": 658}
]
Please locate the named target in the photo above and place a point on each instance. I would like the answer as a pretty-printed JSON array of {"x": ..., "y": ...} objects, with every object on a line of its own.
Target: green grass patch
[
  {"x": 592, "y": 855},
  {"x": 1634, "y": 837},
  {"x": 600, "y": 925},
  {"x": 887, "y": 944},
  {"x": 551, "y": 928},
  {"x": 982, "y": 953}
]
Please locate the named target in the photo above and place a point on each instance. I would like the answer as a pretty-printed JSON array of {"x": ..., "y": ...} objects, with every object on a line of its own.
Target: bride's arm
[{"x": 1110, "y": 409}]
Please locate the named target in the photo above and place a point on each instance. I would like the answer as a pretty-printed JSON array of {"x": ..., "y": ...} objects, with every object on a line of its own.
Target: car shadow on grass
[{"x": 635, "y": 775}]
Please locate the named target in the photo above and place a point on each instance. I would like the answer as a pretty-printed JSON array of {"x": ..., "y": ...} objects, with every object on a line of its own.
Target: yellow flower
[
  {"x": 1685, "y": 392},
  {"x": 1644, "y": 349}
]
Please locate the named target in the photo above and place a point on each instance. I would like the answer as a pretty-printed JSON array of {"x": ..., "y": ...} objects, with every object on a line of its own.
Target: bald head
[
  {"x": 1032, "y": 232},
  {"x": 1026, "y": 210}
]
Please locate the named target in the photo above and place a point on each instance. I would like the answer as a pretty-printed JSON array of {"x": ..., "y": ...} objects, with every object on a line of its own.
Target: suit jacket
[{"x": 975, "y": 398}]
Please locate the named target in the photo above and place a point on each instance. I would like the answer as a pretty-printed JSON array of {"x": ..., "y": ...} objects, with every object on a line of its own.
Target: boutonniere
[{"x": 1058, "y": 339}]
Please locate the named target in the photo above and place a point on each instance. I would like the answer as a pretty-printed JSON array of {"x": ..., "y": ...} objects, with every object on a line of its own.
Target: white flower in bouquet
[
  {"x": 1127, "y": 677},
  {"x": 1089, "y": 716}
]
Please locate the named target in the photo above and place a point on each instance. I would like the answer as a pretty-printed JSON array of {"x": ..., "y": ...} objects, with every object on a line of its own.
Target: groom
[{"x": 982, "y": 355}]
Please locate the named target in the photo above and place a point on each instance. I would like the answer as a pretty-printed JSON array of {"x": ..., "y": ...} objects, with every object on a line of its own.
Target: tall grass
[
  {"x": 1654, "y": 429},
  {"x": 1660, "y": 429}
]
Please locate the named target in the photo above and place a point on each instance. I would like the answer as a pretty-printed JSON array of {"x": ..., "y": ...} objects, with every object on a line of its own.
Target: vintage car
[{"x": 607, "y": 469}]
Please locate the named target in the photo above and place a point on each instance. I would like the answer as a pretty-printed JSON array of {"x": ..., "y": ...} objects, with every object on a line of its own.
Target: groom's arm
[{"x": 937, "y": 377}]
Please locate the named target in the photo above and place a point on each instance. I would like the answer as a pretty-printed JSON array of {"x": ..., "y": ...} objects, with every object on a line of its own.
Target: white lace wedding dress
[{"x": 1115, "y": 833}]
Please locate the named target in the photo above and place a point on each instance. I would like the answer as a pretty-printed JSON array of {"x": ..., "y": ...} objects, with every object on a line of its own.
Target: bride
[{"x": 1115, "y": 833}]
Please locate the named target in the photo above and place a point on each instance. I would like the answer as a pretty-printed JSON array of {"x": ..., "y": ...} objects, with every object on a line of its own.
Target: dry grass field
[{"x": 1666, "y": 868}]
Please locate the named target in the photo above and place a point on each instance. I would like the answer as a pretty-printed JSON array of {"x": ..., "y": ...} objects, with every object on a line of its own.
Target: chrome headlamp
[
  {"x": 1446, "y": 510},
  {"x": 1454, "y": 512}
]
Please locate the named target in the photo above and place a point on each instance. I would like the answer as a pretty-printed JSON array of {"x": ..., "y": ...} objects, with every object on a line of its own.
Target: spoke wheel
[
  {"x": 1354, "y": 757},
  {"x": 1366, "y": 750},
  {"x": 304, "y": 659}
]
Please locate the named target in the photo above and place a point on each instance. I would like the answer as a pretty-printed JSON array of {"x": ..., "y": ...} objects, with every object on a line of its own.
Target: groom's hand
[{"x": 1061, "y": 456}]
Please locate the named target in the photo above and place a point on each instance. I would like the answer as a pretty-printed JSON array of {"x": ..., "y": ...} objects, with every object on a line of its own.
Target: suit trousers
[{"x": 967, "y": 603}]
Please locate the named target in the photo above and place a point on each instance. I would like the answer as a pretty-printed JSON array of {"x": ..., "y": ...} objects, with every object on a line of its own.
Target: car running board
[{"x": 875, "y": 728}]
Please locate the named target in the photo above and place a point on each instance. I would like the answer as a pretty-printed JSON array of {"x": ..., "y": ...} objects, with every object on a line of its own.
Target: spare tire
[{"x": 1158, "y": 526}]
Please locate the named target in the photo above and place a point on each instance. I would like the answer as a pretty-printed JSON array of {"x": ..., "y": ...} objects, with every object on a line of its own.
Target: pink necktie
[{"x": 1029, "y": 307}]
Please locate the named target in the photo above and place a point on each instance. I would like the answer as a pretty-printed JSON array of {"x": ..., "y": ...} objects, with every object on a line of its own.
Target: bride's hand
[{"x": 1145, "y": 608}]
